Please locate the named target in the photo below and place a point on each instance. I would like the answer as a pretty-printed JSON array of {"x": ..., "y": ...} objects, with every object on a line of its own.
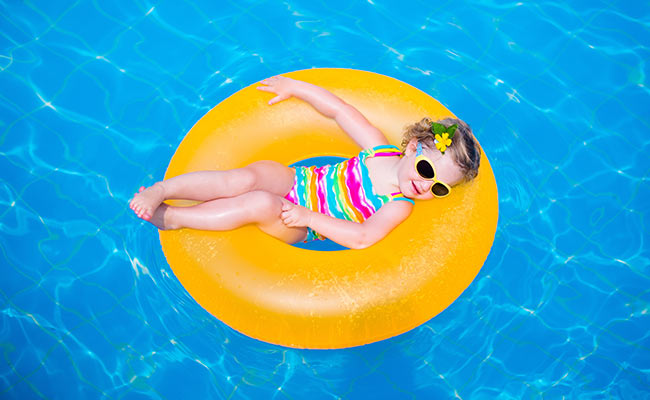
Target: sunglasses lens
[
  {"x": 439, "y": 189},
  {"x": 425, "y": 169}
]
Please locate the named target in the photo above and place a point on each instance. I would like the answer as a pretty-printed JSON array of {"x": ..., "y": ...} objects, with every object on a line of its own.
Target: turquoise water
[{"x": 95, "y": 97}]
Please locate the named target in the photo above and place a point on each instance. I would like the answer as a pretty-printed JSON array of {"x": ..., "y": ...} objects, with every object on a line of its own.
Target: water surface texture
[{"x": 95, "y": 96}]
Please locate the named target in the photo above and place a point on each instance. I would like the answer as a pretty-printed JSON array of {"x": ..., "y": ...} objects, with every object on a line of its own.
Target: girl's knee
[
  {"x": 263, "y": 205},
  {"x": 260, "y": 167},
  {"x": 268, "y": 208},
  {"x": 251, "y": 176},
  {"x": 244, "y": 178},
  {"x": 271, "y": 176}
]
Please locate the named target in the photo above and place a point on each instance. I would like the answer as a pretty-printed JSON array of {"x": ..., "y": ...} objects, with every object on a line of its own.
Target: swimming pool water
[{"x": 95, "y": 97}]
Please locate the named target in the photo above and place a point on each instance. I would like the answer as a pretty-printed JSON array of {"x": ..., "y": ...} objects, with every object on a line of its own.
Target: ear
[{"x": 411, "y": 146}]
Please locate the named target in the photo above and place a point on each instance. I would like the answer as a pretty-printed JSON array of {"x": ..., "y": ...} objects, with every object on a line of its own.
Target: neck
[
  {"x": 383, "y": 174},
  {"x": 388, "y": 172}
]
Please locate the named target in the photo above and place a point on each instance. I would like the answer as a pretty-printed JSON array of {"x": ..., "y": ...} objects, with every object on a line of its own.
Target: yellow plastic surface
[{"x": 300, "y": 298}]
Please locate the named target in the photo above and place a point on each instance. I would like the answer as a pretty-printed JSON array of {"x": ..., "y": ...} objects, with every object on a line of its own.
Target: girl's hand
[
  {"x": 294, "y": 215},
  {"x": 280, "y": 85}
]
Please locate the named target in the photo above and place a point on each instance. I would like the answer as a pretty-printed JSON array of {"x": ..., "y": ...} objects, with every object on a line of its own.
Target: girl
[{"x": 355, "y": 203}]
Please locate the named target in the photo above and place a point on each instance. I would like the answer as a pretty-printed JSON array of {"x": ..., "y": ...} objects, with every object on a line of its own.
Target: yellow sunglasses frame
[{"x": 419, "y": 157}]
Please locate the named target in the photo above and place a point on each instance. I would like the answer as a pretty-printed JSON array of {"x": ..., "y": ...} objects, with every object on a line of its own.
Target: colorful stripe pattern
[{"x": 342, "y": 190}]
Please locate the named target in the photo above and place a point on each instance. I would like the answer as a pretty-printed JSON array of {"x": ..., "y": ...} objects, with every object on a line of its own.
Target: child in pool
[{"x": 360, "y": 211}]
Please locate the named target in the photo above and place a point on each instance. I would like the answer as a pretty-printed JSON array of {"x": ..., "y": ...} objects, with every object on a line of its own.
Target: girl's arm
[
  {"x": 347, "y": 233},
  {"x": 325, "y": 102}
]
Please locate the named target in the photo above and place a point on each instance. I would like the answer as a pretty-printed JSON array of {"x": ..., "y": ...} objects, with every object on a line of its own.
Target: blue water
[{"x": 95, "y": 96}]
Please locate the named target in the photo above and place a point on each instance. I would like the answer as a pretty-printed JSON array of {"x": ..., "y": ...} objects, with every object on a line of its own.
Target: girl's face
[{"x": 412, "y": 185}]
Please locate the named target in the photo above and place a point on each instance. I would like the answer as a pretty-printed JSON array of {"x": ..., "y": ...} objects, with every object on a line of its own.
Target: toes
[{"x": 142, "y": 188}]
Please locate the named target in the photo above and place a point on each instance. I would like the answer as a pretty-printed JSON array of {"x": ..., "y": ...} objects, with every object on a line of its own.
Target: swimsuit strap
[
  {"x": 400, "y": 196},
  {"x": 385, "y": 150}
]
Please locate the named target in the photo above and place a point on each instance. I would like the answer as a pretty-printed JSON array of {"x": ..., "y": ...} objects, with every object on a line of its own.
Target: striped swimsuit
[{"x": 342, "y": 190}]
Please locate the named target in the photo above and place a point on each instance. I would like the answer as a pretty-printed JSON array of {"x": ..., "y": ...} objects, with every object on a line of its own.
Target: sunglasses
[{"x": 426, "y": 170}]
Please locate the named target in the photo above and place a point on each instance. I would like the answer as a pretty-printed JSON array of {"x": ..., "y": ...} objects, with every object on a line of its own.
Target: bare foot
[{"x": 145, "y": 203}]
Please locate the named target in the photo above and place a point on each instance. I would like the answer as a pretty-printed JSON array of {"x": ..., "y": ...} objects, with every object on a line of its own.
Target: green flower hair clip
[{"x": 443, "y": 135}]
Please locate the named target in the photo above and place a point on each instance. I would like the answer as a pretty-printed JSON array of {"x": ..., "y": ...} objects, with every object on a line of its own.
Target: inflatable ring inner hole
[{"x": 319, "y": 245}]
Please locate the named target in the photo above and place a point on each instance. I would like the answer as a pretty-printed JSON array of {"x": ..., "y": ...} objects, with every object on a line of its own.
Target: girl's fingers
[
  {"x": 281, "y": 97},
  {"x": 269, "y": 80},
  {"x": 286, "y": 218}
]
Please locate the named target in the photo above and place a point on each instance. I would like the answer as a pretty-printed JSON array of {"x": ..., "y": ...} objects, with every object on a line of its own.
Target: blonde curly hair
[{"x": 464, "y": 147}]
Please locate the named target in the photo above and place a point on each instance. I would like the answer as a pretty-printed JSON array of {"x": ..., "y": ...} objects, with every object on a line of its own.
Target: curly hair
[{"x": 464, "y": 147}]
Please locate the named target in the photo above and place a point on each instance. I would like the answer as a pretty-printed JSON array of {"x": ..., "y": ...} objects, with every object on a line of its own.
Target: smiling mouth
[{"x": 415, "y": 188}]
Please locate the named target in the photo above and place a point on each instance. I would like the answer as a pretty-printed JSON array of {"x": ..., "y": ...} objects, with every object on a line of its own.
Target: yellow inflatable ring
[{"x": 301, "y": 298}]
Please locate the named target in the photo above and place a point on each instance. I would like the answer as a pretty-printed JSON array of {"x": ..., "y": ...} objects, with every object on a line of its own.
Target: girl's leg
[
  {"x": 256, "y": 207},
  {"x": 268, "y": 176}
]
